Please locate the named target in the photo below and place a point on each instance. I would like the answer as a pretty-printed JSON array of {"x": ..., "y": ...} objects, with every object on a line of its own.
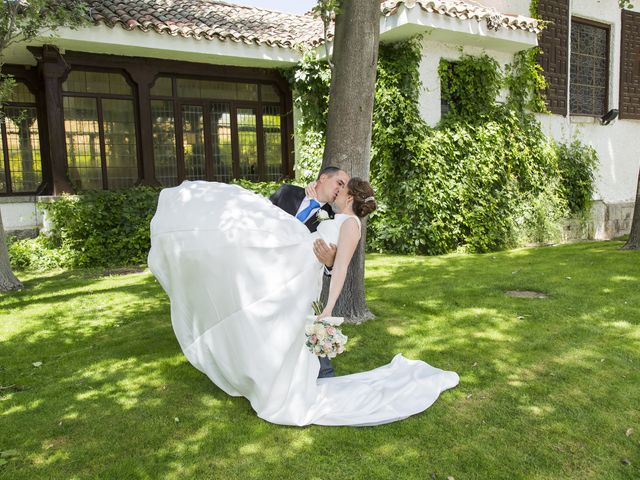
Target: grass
[{"x": 549, "y": 387}]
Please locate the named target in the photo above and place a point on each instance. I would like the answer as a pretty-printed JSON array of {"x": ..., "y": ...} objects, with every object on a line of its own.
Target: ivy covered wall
[{"x": 484, "y": 178}]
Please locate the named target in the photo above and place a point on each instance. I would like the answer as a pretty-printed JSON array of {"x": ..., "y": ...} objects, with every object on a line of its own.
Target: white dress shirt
[{"x": 305, "y": 204}]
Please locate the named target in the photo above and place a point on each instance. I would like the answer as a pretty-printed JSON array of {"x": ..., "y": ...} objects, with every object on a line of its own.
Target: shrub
[
  {"x": 577, "y": 163},
  {"x": 103, "y": 228},
  {"x": 36, "y": 254}
]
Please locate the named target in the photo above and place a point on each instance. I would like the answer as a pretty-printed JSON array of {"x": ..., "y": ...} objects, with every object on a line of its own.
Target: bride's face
[{"x": 343, "y": 199}]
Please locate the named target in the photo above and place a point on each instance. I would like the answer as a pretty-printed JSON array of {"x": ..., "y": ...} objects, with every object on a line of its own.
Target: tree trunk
[
  {"x": 634, "y": 236},
  {"x": 348, "y": 143},
  {"x": 8, "y": 280}
]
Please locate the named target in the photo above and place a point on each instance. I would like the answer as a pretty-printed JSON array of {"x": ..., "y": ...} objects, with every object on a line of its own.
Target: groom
[{"x": 293, "y": 200}]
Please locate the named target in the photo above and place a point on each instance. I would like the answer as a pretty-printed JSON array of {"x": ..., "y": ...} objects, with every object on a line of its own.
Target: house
[{"x": 153, "y": 92}]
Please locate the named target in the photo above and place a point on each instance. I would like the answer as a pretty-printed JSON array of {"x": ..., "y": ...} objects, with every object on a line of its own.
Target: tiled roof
[
  {"x": 210, "y": 19},
  {"x": 214, "y": 19},
  {"x": 465, "y": 10}
]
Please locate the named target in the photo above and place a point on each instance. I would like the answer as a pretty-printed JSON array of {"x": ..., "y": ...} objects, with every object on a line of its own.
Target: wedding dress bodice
[{"x": 329, "y": 230}]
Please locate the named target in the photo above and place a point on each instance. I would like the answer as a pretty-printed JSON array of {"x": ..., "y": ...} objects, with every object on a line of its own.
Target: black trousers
[{"x": 326, "y": 369}]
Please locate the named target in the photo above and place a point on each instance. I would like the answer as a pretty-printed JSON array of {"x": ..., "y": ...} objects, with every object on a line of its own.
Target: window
[
  {"x": 216, "y": 130},
  {"x": 20, "y": 161},
  {"x": 100, "y": 130},
  {"x": 630, "y": 66},
  {"x": 588, "y": 88}
]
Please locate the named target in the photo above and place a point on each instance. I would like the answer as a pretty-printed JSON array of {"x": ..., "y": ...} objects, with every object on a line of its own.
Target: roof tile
[{"x": 209, "y": 19}]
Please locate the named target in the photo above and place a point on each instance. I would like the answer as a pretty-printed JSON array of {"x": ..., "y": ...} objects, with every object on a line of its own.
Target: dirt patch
[
  {"x": 122, "y": 271},
  {"x": 525, "y": 294}
]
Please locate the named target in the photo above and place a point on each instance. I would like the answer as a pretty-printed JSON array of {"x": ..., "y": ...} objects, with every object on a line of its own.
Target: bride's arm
[{"x": 347, "y": 243}]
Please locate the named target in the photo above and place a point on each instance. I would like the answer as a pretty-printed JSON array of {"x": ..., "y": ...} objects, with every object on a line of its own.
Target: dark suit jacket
[{"x": 289, "y": 197}]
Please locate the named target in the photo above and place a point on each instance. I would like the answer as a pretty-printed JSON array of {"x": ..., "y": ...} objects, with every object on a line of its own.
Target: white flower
[{"x": 322, "y": 215}]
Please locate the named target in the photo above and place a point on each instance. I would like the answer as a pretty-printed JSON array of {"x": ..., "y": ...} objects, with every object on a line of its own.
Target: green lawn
[{"x": 549, "y": 388}]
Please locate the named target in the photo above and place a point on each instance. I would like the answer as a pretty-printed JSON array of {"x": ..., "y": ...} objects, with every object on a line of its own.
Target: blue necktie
[{"x": 302, "y": 216}]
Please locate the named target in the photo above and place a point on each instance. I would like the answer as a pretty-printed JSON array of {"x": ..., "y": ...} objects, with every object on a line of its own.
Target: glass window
[
  {"x": 163, "y": 87},
  {"x": 120, "y": 142},
  {"x": 79, "y": 81},
  {"x": 211, "y": 130},
  {"x": 193, "y": 142},
  {"x": 272, "y": 142},
  {"x": 589, "y": 69},
  {"x": 100, "y": 131},
  {"x": 20, "y": 160},
  {"x": 247, "y": 143},
  {"x": 83, "y": 143},
  {"x": 269, "y": 93},
  {"x": 221, "y": 141},
  {"x": 164, "y": 142}
]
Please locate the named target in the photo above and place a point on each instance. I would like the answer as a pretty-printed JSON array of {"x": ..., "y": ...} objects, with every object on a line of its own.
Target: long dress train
[{"x": 241, "y": 276}]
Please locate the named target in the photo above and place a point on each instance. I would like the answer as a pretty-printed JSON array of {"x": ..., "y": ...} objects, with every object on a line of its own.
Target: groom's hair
[{"x": 330, "y": 170}]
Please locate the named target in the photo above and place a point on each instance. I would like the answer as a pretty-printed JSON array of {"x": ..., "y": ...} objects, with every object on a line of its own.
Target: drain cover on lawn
[{"x": 525, "y": 294}]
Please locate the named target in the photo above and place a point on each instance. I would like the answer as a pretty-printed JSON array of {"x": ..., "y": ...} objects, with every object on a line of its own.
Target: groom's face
[{"x": 329, "y": 185}]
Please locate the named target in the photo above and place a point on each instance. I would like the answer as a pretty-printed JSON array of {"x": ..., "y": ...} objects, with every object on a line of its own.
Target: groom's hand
[{"x": 326, "y": 254}]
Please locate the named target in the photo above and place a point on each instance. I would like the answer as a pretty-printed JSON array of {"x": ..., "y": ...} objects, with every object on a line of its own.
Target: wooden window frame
[
  {"x": 627, "y": 16},
  {"x": 99, "y": 97},
  {"x": 8, "y": 191},
  {"x": 207, "y": 103},
  {"x": 606, "y": 27}
]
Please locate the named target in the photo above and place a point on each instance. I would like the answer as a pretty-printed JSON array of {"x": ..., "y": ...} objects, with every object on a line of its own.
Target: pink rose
[
  {"x": 331, "y": 330},
  {"x": 313, "y": 339},
  {"x": 327, "y": 347}
]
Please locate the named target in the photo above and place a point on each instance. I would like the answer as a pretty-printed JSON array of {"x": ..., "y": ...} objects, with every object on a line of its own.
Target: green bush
[
  {"x": 577, "y": 163},
  {"x": 103, "y": 228},
  {"x": 485, "y": 178},
  {"x": 35, "y": 254},
  {"x": 99, "y": 229}
]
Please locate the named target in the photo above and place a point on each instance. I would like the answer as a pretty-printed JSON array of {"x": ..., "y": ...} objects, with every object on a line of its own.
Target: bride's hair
[{"x": 363, "y": 201}]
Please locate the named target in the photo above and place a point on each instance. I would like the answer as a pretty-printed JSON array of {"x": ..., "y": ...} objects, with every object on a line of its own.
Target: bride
[{"x": 241, "y": 276}]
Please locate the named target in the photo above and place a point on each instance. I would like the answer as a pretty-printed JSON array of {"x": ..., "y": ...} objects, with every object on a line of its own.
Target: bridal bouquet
[{"x": 324, "y": 338}]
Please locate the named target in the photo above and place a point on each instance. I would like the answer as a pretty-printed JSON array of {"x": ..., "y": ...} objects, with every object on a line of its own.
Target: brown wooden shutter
[
  {"x": 630, "y": 66},
  {"x": 554, "y": 42}
]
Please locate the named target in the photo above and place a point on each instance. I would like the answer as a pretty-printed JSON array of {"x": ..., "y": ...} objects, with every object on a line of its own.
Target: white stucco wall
[
  {"x": 617, "y": 142},
  {"x": 19, "y": 213}
]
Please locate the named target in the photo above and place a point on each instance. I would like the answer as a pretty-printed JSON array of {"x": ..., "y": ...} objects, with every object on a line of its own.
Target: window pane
[
  {"x": 21, "y": 94},
  {"x": 83, "y": 142},
  {"x": 221, "y": 139},
  {"x": 269, "y": 93},
  {"x": 97, "y": 82},
  {"x": 247, "y": 143},
  {"x": 589, "y": 69},
  {"x": 193, "y": 142},
  {"x": 247, "y": 91},
  {"x": 23, "y": 145},
  {"x": 164, "y": 142},
  {"x": 271, "y": 125},
  {"x": 162, "y": 87},
  {"x": 210, "y": 89},
  {"x": 120, "y": 143}
]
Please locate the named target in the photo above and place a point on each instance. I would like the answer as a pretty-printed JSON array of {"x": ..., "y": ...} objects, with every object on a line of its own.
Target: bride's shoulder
[{"x": 343, "y": 219}]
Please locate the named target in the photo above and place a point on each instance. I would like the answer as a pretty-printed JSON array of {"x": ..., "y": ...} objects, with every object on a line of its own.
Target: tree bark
[
  {"x": 8, "y": 280},
  {"x": 348, "y": 142},
  {"x": 634, "y": 236}
]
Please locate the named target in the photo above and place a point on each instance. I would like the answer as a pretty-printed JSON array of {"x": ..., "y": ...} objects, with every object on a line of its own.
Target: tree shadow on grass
[{"x": 535, "y": 399}]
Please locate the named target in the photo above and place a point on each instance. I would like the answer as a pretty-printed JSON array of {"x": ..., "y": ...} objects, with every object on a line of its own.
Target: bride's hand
[
  {"x": 310, "y": 190},
  {"x": 325, "y": 313}
]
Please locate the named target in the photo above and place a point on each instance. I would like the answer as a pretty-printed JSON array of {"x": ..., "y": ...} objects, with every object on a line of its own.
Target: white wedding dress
[{"x": 241, "y": 277}]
